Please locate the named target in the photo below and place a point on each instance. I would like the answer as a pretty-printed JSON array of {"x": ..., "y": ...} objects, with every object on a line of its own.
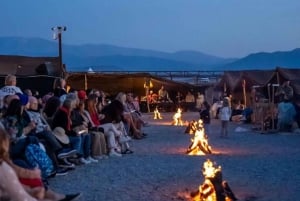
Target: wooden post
[
  {"x": 85, "y": 82},
  {"x": 244, "y": 93}
]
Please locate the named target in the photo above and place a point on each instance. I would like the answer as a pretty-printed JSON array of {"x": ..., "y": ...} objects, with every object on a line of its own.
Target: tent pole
[
  {"x": 244, "y": 93},
  {"x": 85, "y": 82},
  {"x": 272, "y": 114}
]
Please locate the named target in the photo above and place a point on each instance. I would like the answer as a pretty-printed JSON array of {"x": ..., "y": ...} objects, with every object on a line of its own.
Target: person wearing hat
[{"x": 81, "y": 95}]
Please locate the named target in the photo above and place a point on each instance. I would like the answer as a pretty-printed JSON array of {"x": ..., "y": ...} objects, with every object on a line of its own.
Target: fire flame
[
  {"x": 177, "y": 120},
  {"x": 209, "y": 170},
  {"x": 213, "y": 187},
  {"x": 199, "y": 145},
  {"x": 157, "y": 114}
]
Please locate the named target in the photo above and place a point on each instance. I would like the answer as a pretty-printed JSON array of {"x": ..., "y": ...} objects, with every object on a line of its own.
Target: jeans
[
  {"x": 86, "y": 145},
  {"x": 76, "y": 143},
  {"x": 17, "y": 149}
]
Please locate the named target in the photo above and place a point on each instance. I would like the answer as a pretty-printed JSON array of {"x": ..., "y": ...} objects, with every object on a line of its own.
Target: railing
[{"x": 191, "y": 77}]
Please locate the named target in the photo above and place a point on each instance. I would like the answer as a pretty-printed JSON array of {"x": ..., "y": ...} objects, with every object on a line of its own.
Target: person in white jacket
[{"x": 225, "y": 113}]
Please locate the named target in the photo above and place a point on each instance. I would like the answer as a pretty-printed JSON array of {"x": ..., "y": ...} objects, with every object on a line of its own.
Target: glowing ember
[
  {"x": 157, "y": 114},
  {"x": 177, "y": 121},
  {"x": 199, "y": 145},
  {"x": 213, "y": 187}
]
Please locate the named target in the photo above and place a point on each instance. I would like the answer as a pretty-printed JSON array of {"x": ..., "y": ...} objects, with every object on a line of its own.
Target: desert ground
[{"x": 258, "y": 167}]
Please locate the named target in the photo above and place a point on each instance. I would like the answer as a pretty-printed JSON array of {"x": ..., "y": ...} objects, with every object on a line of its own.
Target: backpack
[{"x": 36, "y": 156}]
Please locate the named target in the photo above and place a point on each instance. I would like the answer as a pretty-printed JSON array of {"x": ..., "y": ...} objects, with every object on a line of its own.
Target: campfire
[
  {"x": 177, "y": 120},
  {"x": 199, "y": 145},
  {"x": 213, "y": 187},
  {"x": 157, "y": 114}
]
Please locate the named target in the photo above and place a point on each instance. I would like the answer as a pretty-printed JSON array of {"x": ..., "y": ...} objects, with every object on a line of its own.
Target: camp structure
[
  {"x": 239, "y": 83},
  {"x": 113, "y": 83},
  {"x": 36, "y": 73}
]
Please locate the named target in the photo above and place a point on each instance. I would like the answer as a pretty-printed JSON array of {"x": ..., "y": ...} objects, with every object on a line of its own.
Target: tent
[{"x": 232, "y": 81}]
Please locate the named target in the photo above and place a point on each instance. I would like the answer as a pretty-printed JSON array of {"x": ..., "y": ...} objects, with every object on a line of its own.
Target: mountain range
[{"x": 103, "y": 57}]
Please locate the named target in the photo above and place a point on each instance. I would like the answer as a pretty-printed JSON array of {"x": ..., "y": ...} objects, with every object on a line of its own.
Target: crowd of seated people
[{"x": 66, "y": 129}]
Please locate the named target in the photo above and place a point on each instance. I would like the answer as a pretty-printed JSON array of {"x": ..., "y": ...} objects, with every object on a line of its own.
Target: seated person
[
  {"x": 20, "y": 184},
  {"x": 163, "y": 95},
  {"x": 237, "y": 111},
  {"x": 190, "y": 101},
  {"x": 152, "y": 97}
]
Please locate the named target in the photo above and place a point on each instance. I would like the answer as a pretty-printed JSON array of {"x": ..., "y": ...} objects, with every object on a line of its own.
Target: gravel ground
[{"x": 258, "y": 167}]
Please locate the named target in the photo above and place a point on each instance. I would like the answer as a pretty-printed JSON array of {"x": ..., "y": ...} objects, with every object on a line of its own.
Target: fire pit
[
  {"x": 177, "y": 118},
  {"x": 157, "y": 114},
  {"x": 213, "y": 187},
  {"x": 199, "y": 144}
]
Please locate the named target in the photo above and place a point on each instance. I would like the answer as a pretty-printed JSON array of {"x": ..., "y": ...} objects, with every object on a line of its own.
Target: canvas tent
[{"x": 232, "y": 81}]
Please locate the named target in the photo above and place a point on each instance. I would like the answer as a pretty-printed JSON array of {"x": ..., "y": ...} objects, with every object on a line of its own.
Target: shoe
[
  {"x": 125, "y": 138},
  {"x": 146, "y": 124},
  {"x": 66, "y": 153},
  {"x": 61, "y": 172},
  {"x": 66, "y": 164},
  {"x": 102, "y": 157},
  {"x": 71, "y": 197},
  {"x": 92, "y": 160},
  {"x": 84, "y": 161},
  {"x": 144, "y": 134},
  {"x": 118, "y": 149},
  {"x": 137, "y": 137},
  {"x": 52, "y": 174},
  {"x": 127, "y": 151},
  {"x": 113, "y": 153}
]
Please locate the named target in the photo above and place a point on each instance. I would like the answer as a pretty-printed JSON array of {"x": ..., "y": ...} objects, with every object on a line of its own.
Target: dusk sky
[{"x": 226, "y": 28}]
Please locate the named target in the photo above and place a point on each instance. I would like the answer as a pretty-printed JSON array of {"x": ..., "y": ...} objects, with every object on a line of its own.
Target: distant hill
[
  {"x": 80, "y": 57},
  {"x": 264, "y": 60},
  {"x": 104, "y": 57}
]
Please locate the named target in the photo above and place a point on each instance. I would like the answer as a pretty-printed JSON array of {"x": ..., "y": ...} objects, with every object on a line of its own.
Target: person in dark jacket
[
  {"x": 204, "y": 112},
  {"x": 62, "y": 118}
]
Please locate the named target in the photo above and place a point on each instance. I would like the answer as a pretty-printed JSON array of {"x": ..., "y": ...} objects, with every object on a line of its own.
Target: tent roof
[
  {"x": 115, "y": 82},
  {"x": 234, "y": 79}
]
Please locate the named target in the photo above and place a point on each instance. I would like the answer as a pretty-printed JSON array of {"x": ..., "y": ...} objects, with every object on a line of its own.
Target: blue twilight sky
[{"x": 226, "y": 28}]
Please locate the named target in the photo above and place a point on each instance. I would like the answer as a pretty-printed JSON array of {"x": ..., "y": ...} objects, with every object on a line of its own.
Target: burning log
[
  {"x": 191, "y": 128},
  {"x": 177, "y": 120},
  {"x": 157, "y": 114},
  {"x": 199, "y": 145},
  {"x": 213, "y": 187}
]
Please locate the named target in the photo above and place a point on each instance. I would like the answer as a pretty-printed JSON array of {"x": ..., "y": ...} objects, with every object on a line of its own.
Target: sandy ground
[{"x": 258, "y": 167}]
